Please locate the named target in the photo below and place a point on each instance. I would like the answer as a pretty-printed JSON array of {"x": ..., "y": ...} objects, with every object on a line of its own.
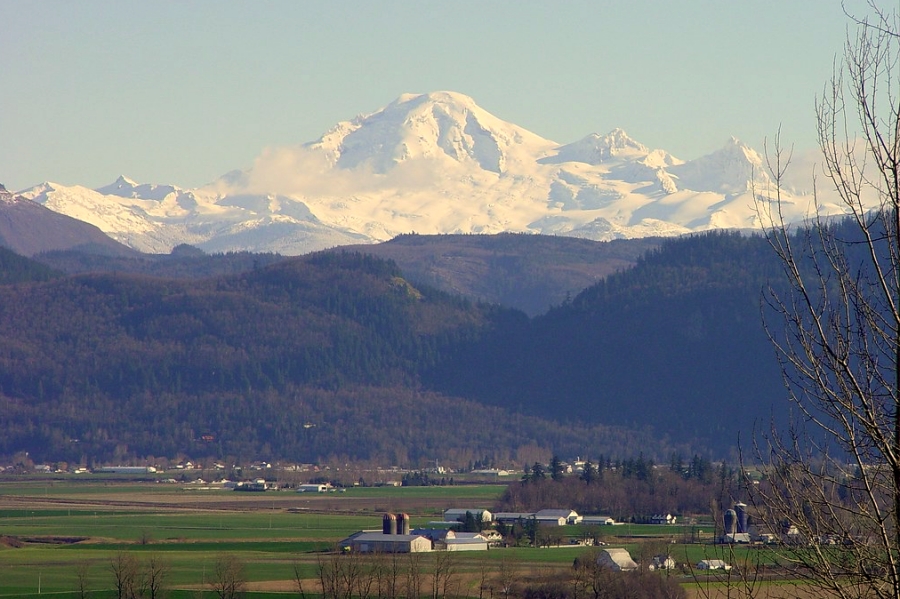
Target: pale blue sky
[{"x": 182, "y": 92}]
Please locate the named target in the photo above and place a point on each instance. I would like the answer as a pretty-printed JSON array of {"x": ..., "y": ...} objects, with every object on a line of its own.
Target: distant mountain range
[{"x": 433, "y": 164}]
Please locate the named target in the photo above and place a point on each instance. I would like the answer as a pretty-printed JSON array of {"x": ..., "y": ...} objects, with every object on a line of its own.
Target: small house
[{"x": 713, "y": 564}]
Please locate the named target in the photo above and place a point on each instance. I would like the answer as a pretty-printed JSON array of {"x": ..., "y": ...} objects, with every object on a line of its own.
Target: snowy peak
[
  {"x": 440, "y": 126},
  {"x": 127, "y": 188},
  {"x": 596, "y": 149},
  {"x": 735, "y": 168}
]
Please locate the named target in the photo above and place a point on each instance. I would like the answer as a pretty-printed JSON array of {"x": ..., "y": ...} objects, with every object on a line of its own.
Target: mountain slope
[{"x": 433, "y": 163}]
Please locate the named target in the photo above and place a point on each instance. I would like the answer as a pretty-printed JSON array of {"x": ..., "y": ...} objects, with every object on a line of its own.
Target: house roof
[
  {"x": 434, "y": 534},
  {"x": 467, "y": 541},
  {"x": 553, "y": 513},
  {"x": 472, "y": 536}
]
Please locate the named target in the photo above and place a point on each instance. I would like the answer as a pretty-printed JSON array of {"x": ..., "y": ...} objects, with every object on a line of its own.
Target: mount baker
[{"x": 433, "y": 163}]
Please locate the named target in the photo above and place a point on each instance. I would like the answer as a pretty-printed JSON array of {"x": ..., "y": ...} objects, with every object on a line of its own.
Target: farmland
[{"x": 58, "y": 535}]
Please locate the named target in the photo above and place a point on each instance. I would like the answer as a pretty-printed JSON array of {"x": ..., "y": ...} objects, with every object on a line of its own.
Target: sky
[{"x": 183, "y": 92}]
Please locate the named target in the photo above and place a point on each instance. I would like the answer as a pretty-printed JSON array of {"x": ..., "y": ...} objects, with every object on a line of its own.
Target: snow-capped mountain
[{"x": 431, "y": 163}]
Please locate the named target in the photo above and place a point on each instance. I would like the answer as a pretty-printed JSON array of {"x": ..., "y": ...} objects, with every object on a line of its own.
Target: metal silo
[
  {"x": 741, "y": 510},
  {"x": 730, "y": 522},
  {"x": 403, "y": 524},
  {"x": 389, "y": 524}
]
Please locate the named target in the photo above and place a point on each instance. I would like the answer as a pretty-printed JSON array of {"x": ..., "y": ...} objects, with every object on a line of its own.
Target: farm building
[
  {"x": 378, "y": 542},
  {"x": 459, "y": 514},
  {"x": 313, "y": 488},
  {"x": 712, "y": 564},
  {"x": 662, "y": 519},
  {"x": 126, "y": 470},
  {"x": 662, "y": 562},
  {"x": 616, "y": 559},
  {"x": 466, "y": 541},
  {"x": 598, "y": 520},
  {"x": 512, "y": 517},
  {"x": 557, "y": 517},
  {"x": 449, "y": 540}
]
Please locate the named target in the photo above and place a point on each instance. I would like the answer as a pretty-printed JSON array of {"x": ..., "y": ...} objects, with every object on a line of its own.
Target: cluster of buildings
[{"x": 396, "y": 536}]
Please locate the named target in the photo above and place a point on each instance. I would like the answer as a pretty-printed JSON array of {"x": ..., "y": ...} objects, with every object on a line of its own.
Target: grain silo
[
  {"x": 730, "y": 522},
  {"x": 741, "y": 511},
  {"x": 389, "y": 524},
  {"x": 403, "y": 524}
]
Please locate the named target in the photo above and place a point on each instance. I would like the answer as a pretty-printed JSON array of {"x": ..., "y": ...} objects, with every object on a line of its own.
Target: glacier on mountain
[{"x": 432, "y": 163}]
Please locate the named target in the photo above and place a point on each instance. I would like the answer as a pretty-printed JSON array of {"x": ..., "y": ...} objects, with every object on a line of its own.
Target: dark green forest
[{"x": 339, "y": 355}]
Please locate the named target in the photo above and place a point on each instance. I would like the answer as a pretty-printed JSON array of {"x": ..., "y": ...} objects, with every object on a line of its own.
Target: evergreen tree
[
  {"x": 556, "y": 469},
  {"x": 589, "y": 474}
]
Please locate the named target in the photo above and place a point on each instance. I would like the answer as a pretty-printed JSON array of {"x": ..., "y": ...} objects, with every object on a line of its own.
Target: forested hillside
[
  {"x": 676, "y": 343},
  {"x": 527, "y": 272},
  {"x": 17, "y": 269},
  {"x": 306, "y": 359}
]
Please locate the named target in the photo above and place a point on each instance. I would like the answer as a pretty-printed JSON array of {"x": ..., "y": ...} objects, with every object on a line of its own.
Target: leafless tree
[
  {"x": 347, "y": 575},
  {"x": 832, "y": 480},
  {"x": 152, "y": 575},
  {"x": 298, "y": 579},
  {"x": 229, "y": 578},
  {"x": 443, "y": 571},
  {"x": 124, "y": 568},
  {"x": 414, "y": 575},
  {"x": 506, "y": 578},
  {"x": 82, "y": 571}
]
